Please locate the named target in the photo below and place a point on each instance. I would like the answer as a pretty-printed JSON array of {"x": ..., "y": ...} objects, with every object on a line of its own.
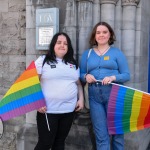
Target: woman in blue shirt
[{"x": 104, "y": 65}]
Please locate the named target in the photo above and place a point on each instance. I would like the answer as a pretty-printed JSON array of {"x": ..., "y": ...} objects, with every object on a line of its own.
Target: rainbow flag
[
  {"x": 128, "y": 110},
  {"x": 24, "y": 95}
]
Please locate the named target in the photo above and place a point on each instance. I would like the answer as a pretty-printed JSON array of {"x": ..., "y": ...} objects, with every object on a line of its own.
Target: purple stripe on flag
[
  {"x": 22, "y": 110},
  {"x": 112, "y": 103}
]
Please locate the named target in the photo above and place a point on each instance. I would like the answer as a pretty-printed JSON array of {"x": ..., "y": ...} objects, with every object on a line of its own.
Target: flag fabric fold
[
  {"x": 128, "y": 110},
  {"x": 24, "y": 95}
]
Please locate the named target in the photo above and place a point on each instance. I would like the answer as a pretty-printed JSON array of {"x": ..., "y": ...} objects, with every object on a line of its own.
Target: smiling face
[
  {"x": 61, "y": 46},
  {"x": 102, "y": 35}
]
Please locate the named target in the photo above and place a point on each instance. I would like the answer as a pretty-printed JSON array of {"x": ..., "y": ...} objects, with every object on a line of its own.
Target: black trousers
[{"x": 59, "y": 124}]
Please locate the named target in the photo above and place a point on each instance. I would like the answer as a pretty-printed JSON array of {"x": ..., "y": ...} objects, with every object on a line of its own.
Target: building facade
[{"x": 130, "y": 20}]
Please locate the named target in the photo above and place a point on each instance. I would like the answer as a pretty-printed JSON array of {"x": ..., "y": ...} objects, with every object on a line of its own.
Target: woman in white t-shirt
[{"x": 59, "y": 77}]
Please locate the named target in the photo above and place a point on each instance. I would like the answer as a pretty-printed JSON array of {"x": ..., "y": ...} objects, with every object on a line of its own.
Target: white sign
[{"x": 45, "y": 35}]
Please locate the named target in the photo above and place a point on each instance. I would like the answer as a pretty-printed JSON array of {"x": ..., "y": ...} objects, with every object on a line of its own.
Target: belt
[{"x": 95, "y": 83}]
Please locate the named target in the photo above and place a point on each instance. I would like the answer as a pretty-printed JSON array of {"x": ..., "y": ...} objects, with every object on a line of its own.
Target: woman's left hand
[
  {"x": 79, "y": 105},
  {"x": 42, "y": 109},
  {"x": 108, "y": 80}
]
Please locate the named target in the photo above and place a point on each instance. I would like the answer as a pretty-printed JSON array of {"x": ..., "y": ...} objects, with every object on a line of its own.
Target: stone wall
[
  {"x": 77, "y": 17},
  {"x": 12, "y": 59},
  {"x": 12, "y": 41},
  {"x": 141, "y": 70}
]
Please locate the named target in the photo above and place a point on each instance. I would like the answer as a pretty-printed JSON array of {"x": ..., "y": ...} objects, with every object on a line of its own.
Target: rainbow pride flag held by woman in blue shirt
[{"x": 128, "y": 110}]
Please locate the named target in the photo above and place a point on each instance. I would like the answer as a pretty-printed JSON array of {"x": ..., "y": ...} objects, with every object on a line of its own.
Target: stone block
[
  {"x": 22, "y": 47},
  {"x": 144, "y": 43},
  {"x": 28, "y": 2},
  {"x": 31, "y": 117},
  {"x": 17, "y": 58},
  {"x": 69, "y": 146},
  {"x": 9, "y": 78},
  {"x": 37, "y": 2},
  {"x": 1, "y": 19},
  {"x": 141, "y": 64},
  {"x": 128, "y": 43},
  {"x": 131, "y": 64},
  {"x": 13, "y": 32},
  {"x": 82, "y": 133},
  {"x": 17, "y": 5},
  {"x": 118, "y": 38},
  {"x": 23, "y": 33},
  {"x": 128, "y": 22},
  {"x": 138, "y": 50},
  {"x": 138, "y": 70},
  {"x": 107, "y": 13},
  {"x": 84, "y": 34},
  {"x": 8, "y": 141},
  {"x": 30, "y": 41},
  {"x": 10, "y": 19},
  {"x": 138, "y": 19},
  {"x": 29, "y": 59},
  {"x": 31, "y": 17},
  {"x": 22, "y": 19},
  {"x": 3, "y": 5},
  {"x": 27, "y": 137},
  {"x": 137, "y": 140},
  {"x": 144, "y": 86},
  {"x": 19, "y": 67},
  {"x": 14, "y": 125}
]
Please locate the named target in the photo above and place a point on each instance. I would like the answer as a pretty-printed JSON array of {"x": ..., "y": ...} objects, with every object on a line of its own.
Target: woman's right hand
[
  {"x": 90, "y": 78},
  {"x": 42, "y": 109}
]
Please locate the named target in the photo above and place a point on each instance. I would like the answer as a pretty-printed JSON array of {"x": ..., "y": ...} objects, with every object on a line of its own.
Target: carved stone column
[
  {"x": 96, "y": 12},
  {"x": 70, "y": 24},
  {"x": 141, "y": 59},
  {"x": 85, "y": 23},
  {"x": 108, "y": 11},
  {"x": 128, "y": 33},
  {"x": 130, "y": 2},
  {"x": 118, "y": 24},
  {"x": 131, "y": 45}
]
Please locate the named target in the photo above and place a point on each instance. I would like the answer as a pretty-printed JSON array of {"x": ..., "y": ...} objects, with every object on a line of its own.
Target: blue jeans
[{"x": 98, "y": 100}]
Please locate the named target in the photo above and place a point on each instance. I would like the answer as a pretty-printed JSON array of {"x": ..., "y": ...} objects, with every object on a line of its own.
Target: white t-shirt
[{"x": 58, "y": 82}]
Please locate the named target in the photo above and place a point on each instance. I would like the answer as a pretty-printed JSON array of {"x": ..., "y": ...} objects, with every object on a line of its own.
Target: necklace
[{"x": 102, "y": 53}]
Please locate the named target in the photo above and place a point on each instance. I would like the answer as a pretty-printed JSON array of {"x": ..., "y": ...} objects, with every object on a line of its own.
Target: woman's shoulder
[
  {"x": 87, "y": 51},
  {"x": 40, "y": 59},
  {"x": 115, "y": 49},
  {"x": 118, "y": 52}
]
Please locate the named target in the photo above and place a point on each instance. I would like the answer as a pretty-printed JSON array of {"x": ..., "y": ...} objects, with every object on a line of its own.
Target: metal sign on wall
[{"x": 47, "y": 24}]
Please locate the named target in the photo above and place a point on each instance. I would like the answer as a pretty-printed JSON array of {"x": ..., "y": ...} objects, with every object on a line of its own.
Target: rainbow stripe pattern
[
  {"x": 24, "y": 95},
  {"x": 128, "y": 110}
]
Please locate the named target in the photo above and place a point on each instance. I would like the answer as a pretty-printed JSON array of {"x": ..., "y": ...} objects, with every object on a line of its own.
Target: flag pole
[
  {"x": 1, "y": 128},
  {"x": 125, "y": 87},
  {"x": 47, "y": 122}
]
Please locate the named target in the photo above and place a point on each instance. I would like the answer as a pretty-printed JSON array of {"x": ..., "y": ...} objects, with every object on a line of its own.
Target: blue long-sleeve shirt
[{"x": 112, "y": 63}]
